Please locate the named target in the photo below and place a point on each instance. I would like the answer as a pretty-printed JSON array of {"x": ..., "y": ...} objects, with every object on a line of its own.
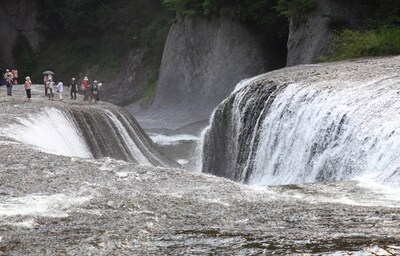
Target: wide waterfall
[
  {"x": 85, "y": 131},
  {"x": 316, "y": 123}
]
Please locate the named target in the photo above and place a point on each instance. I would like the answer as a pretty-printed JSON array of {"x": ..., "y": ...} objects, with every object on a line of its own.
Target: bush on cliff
[{"x": 354, "y": 44}]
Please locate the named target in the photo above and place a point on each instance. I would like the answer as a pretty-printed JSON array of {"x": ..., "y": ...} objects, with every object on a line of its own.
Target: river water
[{"x": 56, "y": 203}]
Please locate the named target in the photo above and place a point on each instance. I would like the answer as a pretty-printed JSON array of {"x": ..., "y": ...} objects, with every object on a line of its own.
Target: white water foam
[
  {"x": 247, "y": 81},
  {"x": 51, "y": 131},
  {"x": 57, "y": 205},
  {"x": 133, "y": 148},
  {"x": 173, "y": 139},
  {"x": 368, "y": 194},
  {"x": 313, "y": 132}
]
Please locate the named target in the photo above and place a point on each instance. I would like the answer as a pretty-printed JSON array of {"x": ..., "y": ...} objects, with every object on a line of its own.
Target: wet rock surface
[
  {"x": 55, "y": 205},
  {"x": 126, "y": 209}
]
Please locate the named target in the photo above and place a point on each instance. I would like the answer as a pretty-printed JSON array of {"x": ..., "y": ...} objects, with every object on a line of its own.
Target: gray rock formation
[
  {"x": 129, "y": 85},
  {"x": 17, "y": 17},
  {"x": 312, "y": 38},
  {"x": 202, "y": 62}
]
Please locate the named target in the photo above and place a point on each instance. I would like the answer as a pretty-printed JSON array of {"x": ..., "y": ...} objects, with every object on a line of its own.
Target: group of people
[
  {"x": 90, "y": 91},
  {"x": 49, "y": 86},
  {"x": 10, "y": 78}
]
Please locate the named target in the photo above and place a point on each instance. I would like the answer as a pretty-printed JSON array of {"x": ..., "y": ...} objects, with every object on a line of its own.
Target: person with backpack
[
  {"x": 73, "y": 87},
  {"x": 94, "y": 91}
]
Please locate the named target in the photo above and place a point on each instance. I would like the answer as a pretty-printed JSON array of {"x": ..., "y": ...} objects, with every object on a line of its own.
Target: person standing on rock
[
  {"x": 46, "y": 82},
  {"x": 9, "y": 81},
  {"x": 85, "y": 85},
  {"x": 28, "y": 86},
  {"x": 98, "y": 90},
  {"x": 94, "y": 91},
  {"x": 50, "y": 87},
  {"x": 60, "y": 89},
  {"x": 73, "y": 87},
  {"x": 15, "y": 76}
]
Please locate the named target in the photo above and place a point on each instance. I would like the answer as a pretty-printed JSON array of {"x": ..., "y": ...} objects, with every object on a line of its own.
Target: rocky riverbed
[{"x": 57, "y": 205}]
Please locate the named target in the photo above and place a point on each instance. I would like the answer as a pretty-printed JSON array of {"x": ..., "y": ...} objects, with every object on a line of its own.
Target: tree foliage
[
  {"x": 24, "y": 56},
  {"x": 86, "y": 33}
]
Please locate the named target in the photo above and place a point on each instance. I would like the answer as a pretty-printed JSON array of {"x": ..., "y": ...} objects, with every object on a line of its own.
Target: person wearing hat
[
  {"x": 9, "y": 81},
  {"x": 60, "y": 89},
  {"x": 28, "y": 86},
  {"x": 85, "y": 84},
  {"x": 73, "y": 87},
  {"x": 94, "y": 90}
]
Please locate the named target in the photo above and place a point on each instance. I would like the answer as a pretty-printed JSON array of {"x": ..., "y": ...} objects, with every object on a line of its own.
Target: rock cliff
[
  {"x": 17, "y": 18},
  {"x": 129, "y": 85},
  {"x": 312, "y": 37},
  {"x": 202, "y": 61}
]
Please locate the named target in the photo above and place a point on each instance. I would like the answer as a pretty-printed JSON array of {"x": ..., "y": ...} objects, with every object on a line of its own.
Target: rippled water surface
[{"x": 68, "y": 205}]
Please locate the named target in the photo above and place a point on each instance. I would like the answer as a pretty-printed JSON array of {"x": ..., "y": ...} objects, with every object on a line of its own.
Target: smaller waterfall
[
  {"x": 87, "y": 132},
  {"x": 133, "y": 149},
  {"x": 52, "y": 131},
  {"x": 114, "y": 133}
]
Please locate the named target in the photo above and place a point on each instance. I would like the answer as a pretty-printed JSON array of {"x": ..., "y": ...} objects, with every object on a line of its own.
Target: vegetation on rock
[{"x": 99, "y": 34}]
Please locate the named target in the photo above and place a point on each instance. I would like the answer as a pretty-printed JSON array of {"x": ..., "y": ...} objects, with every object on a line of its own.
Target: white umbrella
[{"x": 48, "y": 72}]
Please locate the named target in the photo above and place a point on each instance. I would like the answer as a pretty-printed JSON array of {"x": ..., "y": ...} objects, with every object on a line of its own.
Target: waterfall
[
  {"x": 52, "y": 131},
  {"x": 287, "y": 127},
  {"x": 87, "y": 132},
  {"x": 113, "y": 132}
]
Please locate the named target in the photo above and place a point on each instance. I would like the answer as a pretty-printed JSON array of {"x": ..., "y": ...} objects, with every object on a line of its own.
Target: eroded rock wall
[
  {"x": 312, "y": 37},
  {"x": 203, "y": 60},
  {"x": 17, "y": 18}
]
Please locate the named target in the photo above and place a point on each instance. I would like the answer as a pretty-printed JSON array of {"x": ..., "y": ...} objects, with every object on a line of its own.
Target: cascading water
[
  {"x": 309, "y": 124},
  {"x": 86, "y": 132},
  {"x": 52, "y": 131}
]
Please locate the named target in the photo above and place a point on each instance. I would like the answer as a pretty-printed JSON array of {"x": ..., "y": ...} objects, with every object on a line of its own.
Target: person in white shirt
[
  {"x": 60, "y": 89},
  {"x": 50, "y": 87}
]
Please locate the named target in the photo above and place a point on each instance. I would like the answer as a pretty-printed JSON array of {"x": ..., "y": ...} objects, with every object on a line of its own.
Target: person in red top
[{"x": 85, "y": 85}]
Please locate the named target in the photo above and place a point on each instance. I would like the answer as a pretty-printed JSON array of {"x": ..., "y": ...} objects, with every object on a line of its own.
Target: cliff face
[
  {"x": 17, "y": 18},
  {"x": 312, "y": 37},
  {"x": 202, "y": 62},
  {"x": 129, "y": 85}
]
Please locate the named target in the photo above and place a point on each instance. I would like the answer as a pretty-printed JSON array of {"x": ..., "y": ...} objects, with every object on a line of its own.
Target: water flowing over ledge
[
  {"x": 314, "y": 123},
  {"x": 85, "y": 131}
]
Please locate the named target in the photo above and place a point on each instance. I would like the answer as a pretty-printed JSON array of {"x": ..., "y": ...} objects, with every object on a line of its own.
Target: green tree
[{"x": 24, "y": 57}]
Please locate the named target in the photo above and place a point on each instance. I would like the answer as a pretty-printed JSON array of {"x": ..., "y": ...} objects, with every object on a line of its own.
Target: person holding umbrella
[{"x": 47, "y": 75}]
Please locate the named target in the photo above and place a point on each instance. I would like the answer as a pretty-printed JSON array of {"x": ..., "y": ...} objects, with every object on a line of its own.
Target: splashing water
[{"x": 51, "y": 131}]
